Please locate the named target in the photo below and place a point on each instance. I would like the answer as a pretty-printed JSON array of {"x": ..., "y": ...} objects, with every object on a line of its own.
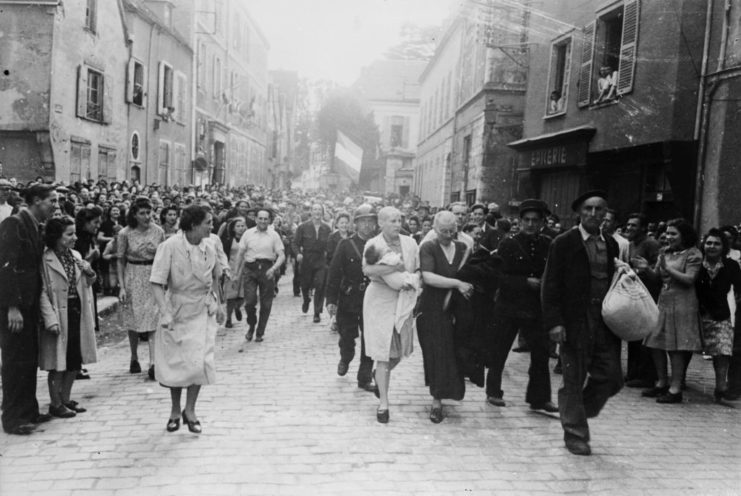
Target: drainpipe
[{"x": 702, "y": 116}]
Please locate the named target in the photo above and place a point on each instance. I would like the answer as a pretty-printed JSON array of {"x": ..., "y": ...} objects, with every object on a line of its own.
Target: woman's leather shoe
[
  {"x": 173, "y": 424},
  {"x": 670, "y": 398},
  {"x": 655, "y": 392},
  {"x": 436, "y": 415},
  {"x": 134, "y": 367},
  {"x": 194, "y": 426},
  {"x": 382, "y": 416},
  {"x": 548, "y": 406},
  {"x": 61, "y": 411}
]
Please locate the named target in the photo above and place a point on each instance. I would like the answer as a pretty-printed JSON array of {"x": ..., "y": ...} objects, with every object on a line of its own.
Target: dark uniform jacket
[
  {"x": 491, "y": 237},
  {"x": 565, "y": 290},
  {"x": 21, "y": 248},
  {"x": 332, "y": 242},
  {"x": 346, "y": 282},
  {"x": 522, "y": 256},
  {"x": 313, "y": 248}
]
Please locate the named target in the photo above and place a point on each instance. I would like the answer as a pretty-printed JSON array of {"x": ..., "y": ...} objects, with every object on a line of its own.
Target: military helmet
[{"x": 364, "y": 211}]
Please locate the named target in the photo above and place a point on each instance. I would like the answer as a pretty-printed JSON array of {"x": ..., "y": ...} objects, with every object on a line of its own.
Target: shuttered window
[
  {"x": 628, "y": 47},
  {"x": 586, "y": 74}
]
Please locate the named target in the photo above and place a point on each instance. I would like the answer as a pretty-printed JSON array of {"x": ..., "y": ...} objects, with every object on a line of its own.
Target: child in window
[{"x": 606, "y": 84}]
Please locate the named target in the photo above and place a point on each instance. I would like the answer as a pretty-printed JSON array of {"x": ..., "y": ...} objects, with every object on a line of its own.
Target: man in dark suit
[
  {"x": 345, "y": 291},
  {"x": 21, "y": 248},
  {"x": 518, "y": 308},
  {"x": 581, "y": 263},
  {"x": 310, "y": 247}
]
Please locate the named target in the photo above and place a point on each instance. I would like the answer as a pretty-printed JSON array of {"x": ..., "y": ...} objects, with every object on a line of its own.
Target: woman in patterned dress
[
  {"x": 233, "y": 289},
  {"x": 678, "y": 333},
  {"x": 137, "y": 245},
  {"x": 718, "y": 275}
]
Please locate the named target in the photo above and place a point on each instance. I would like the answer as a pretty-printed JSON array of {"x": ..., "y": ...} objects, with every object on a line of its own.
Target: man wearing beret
[
  {"x": 518, "y": 308},
  {"x": 581, "y": 263}
]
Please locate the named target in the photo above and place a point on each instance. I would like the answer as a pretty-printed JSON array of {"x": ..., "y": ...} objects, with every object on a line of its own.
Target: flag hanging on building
[{"x": 348, "y": 157}]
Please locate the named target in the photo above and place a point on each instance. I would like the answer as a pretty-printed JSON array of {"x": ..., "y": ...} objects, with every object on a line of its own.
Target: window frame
[
  {"x": 91, "y": 16},
  {"x": 165, "y": 91},
  {"x": 99, "y": 90},
  {"x": 567, "y": 40}
]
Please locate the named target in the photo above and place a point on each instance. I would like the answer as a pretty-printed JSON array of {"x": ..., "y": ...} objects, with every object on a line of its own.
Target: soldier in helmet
[{"x": 345, "y": 290}]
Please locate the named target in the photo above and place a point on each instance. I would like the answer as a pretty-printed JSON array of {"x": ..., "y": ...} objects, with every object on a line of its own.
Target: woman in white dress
[
  {"x": 187, "y": 265},
  {"x": 384, "y": 342}
]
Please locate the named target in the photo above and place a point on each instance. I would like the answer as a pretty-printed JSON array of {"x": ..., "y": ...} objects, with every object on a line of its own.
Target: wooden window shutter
[
  {"x": 145, "y": 85},
  {"x": 107, "y": 98},
  {"x": 628, "y": 47},
  {"x": 586, "y": 74},
  {"x": 161, "y": 88},
  {"x": 405, "y": 133},
  {"x": 81, "y": 91},
  {"x": 130, "y": 81},
  {"x": 174, "y": 94}
]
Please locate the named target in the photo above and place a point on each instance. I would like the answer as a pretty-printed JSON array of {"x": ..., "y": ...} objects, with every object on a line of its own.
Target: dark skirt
[
  {"x": 437, "y": 340},
  {"x": 74, "y": 348}
]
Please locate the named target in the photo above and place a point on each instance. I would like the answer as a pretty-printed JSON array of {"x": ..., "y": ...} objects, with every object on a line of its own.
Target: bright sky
[{"x": 333, "y": 39}]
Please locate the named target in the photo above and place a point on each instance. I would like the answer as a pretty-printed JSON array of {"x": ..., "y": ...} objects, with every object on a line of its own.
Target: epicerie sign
[{"x": 548, "y": 156}]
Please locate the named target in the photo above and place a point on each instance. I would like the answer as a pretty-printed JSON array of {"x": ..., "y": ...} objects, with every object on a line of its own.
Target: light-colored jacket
[{"x": 53, "y": 347}]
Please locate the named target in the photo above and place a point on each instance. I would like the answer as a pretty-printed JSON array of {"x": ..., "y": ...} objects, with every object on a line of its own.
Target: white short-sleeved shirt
[{"x": 260, "y": 245}]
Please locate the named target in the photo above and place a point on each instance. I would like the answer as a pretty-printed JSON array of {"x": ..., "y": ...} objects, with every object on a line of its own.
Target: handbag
[{"x": 628, "y": 309}]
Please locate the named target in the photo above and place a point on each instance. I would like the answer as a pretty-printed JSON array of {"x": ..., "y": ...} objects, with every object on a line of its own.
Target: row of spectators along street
[{"x": 184, "y": 261}]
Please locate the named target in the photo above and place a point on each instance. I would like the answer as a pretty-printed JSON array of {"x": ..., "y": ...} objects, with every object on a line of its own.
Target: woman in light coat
[
  {"x": 187, "y": 265},
  {"x": 383, "y": 341},
  {"x": 68, "y": 338}
]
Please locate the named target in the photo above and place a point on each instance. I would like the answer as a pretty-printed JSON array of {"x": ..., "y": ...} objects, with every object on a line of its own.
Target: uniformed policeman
[
  {"x": 518, "y": 307},
  {"x": 345, "y": 290}
]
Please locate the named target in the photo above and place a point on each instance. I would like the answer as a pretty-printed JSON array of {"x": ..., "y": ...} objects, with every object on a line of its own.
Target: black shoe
[
  {"x": 370, "y": 387},
  {"x": 82, "y": 375},
  {"x": 382, "y": 416},
  {"x": 436, "y": 415},
  {"x": 719, "y": 396},
  {"x": 75, "y": 407},
  {"x": 305, "y": 306},
  {"x": 317, "y": 318},
  {"x": 655, "y": 392},
  {"x": 578, "y": 447},
  {"x": 228, "y": 324},
  {"x": 258, "y": 339},
  {"x": 194, "y": 426},
  {"x": 61, "y": 411},
  {"x": 134, "y": 367},
  {"x": 238, "y": 314},
  {"x": 22, "y": 429},
  {"x": 41, "y": 418},
  {"x": 150, "y": 372},
  {"x": 639, "y": 383},
  {"x": 342, "y": 368},
  {"x": 173, "y": 424},
  {"x": 670, "y": 398},
  {"x": 548, "y": 406},
  {"x": 496, "y": 401},
  {"x": 250, "y": 333}
]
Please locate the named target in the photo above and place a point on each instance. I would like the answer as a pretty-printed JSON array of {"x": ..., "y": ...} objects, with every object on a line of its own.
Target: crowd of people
[{"x": 183, "y": 261}]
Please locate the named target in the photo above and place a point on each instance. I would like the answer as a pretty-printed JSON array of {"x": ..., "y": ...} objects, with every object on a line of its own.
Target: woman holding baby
[
  {"x": 439, "y": 260},
  {"x": 388, "y": 334}
]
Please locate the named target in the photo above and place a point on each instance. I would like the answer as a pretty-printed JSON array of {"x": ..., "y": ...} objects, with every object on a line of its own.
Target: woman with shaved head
[{"x": 384, "y": 341}]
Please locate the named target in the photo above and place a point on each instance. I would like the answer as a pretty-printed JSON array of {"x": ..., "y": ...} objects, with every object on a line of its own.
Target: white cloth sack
[{"x": 628, "y": 308}]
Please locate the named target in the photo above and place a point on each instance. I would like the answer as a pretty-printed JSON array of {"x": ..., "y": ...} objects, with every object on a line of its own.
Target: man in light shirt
[
  {"x": 6, "y": 209},
  {"x": 261, "y": 253},
  {"x": 609, "y": 226}
]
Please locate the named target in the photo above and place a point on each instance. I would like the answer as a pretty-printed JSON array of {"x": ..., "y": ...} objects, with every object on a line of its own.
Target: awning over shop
[{"x": 567, "y": 148}]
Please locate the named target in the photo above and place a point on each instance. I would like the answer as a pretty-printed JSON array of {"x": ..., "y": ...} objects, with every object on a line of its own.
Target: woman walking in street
[
  {"x": 384, "y": 342},
  {"x": 68, "y": 337},
  {"x": 190, "y": 312},
  {"x": 137, "y": 245},
  {"x": 718, "y": 275},
  {"x": 234, "y": 290},
  {"x": 439, "y": 261}
]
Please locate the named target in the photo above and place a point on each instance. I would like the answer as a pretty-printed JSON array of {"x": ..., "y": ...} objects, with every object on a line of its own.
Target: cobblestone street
[{"x": 280, "y": 421}]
